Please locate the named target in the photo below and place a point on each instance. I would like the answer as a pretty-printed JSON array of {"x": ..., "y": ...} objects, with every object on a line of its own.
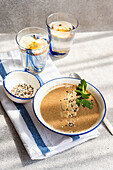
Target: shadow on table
[
  {"x": 92, "y": 37},
  {"x": 97, "y": 62},
  {"x": 25, "y": 159}
]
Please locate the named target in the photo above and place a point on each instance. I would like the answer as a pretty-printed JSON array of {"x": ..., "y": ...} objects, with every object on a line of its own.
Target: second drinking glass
[{"x": 61, "y": 28}]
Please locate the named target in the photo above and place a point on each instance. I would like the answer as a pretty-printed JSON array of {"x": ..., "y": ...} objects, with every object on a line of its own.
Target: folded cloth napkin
[{"x": 39, "y": 141}]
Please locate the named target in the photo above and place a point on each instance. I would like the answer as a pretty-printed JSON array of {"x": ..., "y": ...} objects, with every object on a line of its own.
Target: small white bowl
[
  {"x": 13, "y": 78},
  {"x": 47, "y": 87}
]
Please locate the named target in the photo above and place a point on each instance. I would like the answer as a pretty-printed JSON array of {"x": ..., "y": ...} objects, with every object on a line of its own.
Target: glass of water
[
  {"x": 33, "y": 43},
  {"x": 61, "y": 28}
]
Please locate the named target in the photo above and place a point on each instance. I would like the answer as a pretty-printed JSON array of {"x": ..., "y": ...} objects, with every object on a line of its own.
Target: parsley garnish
[{"x": 82, "y": 96}]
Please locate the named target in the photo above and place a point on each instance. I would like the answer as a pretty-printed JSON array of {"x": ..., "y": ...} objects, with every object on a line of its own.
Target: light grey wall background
[{"x": 93, "y": 15}]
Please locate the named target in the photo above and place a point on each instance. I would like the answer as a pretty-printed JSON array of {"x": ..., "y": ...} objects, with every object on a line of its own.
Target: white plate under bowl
[
  {"x": 13, "y": 78},
  {"x": 50, "y": 85}
]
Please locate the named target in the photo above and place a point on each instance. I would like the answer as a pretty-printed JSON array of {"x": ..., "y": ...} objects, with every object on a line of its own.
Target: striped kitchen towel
[{"x": 39, "y": 141}]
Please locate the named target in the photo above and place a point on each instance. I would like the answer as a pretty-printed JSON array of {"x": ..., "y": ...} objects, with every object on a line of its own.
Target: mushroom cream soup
[{"x": 59, "y": 109}]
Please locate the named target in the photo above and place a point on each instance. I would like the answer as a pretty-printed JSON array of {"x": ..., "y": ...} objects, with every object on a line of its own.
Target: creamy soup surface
[{"x": 58, "y": 108}]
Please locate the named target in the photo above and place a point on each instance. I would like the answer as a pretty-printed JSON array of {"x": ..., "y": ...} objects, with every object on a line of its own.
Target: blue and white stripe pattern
[{"x": 39, "y": 142}]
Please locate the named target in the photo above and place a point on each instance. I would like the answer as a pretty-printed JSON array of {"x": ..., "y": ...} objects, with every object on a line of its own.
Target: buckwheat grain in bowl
[
  {"x": 23, "y": 90},
  {"x": 69, "y": 106}
]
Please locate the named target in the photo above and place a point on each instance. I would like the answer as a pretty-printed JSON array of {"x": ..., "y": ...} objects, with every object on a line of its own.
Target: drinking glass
[
  {"x": 61, "y": 28},
  {"x": 33, "y": 43}
]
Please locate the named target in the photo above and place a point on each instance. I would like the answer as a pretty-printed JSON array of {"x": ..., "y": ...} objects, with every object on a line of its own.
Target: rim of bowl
[
  {"x": 78, "y": 133},
  {"x": 64, "y": 14},
  {"x": 10, "y": 92},
  {"x": 48, "y": 41}
]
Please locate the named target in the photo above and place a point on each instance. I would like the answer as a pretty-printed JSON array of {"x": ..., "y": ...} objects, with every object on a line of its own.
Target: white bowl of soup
[{"x": 54, "y": 105}]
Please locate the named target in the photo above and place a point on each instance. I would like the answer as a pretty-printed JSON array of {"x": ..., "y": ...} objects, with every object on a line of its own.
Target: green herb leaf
[
  {"x": 86, "y": 103},
  {"x": 83, "y": 85},
  {"x": 81, "y": 100},
  {"x": 78, "y": 91},
  {"x": 78, "y": 101},
  {"x": 85, "y": 96}
]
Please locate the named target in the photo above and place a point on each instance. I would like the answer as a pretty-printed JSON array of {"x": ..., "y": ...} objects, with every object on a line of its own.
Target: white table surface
[{"x": 91, "y": 56}]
